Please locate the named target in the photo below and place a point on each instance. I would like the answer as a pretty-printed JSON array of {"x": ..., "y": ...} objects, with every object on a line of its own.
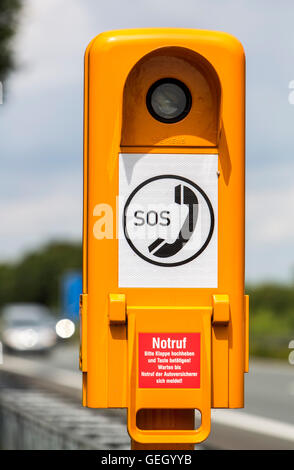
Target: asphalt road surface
[
  {"x": 269, "y": 390},
  {"x": 269, "y": 386},
  {"x": 266, "y": 422}
]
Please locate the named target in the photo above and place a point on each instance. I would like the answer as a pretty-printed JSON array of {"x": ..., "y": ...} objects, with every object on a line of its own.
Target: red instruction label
[{"x": 169, "y": 360}]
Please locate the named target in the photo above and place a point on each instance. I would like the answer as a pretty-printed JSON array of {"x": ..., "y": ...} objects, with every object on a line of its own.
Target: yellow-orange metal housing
[{"x": 119, "y": 68}]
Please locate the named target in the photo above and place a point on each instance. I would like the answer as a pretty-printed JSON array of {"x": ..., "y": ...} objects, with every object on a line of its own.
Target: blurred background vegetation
[
  {"x": 37, "y": 278},
  {"x": 9, "y": 14},
  {"x": 271, "y": 319}
]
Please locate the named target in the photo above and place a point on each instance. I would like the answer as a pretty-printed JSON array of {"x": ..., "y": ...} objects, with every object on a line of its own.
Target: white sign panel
[{"x": 168, "y": 220}]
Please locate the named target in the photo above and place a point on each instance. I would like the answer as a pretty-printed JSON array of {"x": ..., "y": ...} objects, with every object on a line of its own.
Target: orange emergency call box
[{"x": 164, "y": 319}]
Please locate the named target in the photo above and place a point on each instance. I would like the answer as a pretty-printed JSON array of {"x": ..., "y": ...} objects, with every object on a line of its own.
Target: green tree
[
  {"x": 37, "y": 277},
  {"x": 9, "y": 11},
  {"x": 7, "y": 273},
  {"x": 271, "y": 319}
]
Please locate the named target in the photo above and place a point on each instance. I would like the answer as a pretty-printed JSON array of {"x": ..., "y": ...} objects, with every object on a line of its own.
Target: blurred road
[
  {"x": 266, "y": 422},
  {"x": 269, "y": 390},
  {"x": 269, "y": 386}
]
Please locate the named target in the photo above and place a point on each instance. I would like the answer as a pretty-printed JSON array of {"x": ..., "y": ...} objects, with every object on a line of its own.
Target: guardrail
[{"x": 38, "y": 420}]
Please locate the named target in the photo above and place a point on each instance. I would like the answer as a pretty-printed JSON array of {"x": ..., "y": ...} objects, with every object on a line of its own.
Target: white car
[{"x": 27, "y": 327}]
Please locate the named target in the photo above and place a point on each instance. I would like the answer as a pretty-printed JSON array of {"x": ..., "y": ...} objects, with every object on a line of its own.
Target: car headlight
[{"x": 65, "y": 328}]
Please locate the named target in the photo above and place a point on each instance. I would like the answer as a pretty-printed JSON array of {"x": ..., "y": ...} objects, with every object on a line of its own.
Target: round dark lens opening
[{"x": 168, "y": 100}]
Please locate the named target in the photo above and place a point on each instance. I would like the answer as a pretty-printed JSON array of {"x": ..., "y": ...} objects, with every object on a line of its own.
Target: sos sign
[
  {"x": 168, "y": 219},
  {"x": 175, "y": 225}
]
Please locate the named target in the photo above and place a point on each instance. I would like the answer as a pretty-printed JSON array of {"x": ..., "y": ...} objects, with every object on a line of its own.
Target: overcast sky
[{"x": 41, "y": 119}]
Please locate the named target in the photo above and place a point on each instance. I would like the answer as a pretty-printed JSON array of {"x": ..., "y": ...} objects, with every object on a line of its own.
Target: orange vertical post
[{"x": 163, "y": 313}]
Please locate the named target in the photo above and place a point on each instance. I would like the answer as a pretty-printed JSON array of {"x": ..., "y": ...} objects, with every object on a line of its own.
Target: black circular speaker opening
[{"x": 168, "y": 100}]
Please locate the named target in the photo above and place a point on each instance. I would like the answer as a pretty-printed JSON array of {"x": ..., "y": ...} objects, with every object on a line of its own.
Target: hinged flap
[{"x": 169, "y": 366}]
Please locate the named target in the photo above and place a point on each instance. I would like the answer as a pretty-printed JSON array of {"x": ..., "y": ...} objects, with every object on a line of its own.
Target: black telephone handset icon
[{"x": 183, "y": 195}]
